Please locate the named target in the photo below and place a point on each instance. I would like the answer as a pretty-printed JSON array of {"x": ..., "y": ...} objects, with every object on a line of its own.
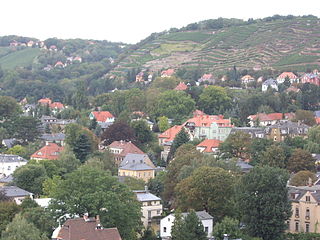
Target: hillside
[
  {"x": 273, "y": 43},
  {"x": 20, "y": 58}
]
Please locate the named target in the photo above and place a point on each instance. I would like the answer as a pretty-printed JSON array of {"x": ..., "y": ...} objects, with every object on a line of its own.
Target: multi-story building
[
  {"x": 305, "y": 204},
  {"x": 278, "y": 132},
  {"x": 151, "y": 209},
  {"x": 9, "y": 163}
]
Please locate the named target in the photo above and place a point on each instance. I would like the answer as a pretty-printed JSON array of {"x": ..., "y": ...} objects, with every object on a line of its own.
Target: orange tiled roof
[
  {"x": 102, "y": 116},
  {"x": 207, "y": 120},
  {"x": 171, "y": 133},
  {"x": 45, "y": 101},
  {"x": 181, "y": 87},
  {"x": 271, "y": 116},
  {"x": 208, "y": 144},
  {"x": 50, "y": 151},
  {"x": 317, "y": 120},
  {"x": 290, "y": 75},
  {"x": 57, "y": 105},
  {"x": 127, "y": 147},
  {"x": 247, "y": 77},
  {"x": 168, "y": 72},
  {"x": 207, "y": 76}
]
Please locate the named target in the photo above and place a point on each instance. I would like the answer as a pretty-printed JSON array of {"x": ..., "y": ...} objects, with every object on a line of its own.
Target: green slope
[{"x": 19, "y": 58}]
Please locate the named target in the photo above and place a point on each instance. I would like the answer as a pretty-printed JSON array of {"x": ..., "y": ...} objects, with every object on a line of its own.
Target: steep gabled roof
[
  {"x": 44, "y": 101},
  {"x": 50, "y": 151},
  {"x": 207, "y": 120},
  {"x": 57, "y": 105},
  {"x": 102, "y": 116},
  {"x": 181, "y": 87},
  {"x": 208, "y": 144},
  {"x": 171, "y": 133},
  {"x": 127, "y": 147},
  {"x": 290, "y": 75}
]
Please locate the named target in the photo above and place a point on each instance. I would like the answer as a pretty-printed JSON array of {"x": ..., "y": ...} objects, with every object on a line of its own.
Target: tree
[
  {"x": 301, "y": 160},
  {"x": 117, "y": 132},
  {"x": 79, "y": 99},
  {"x": 262, "y": 199},
  {"x": 8, "y": 107},
  {"x": 20, "y": 229},
  {"x": 17, "y": 150},
  {"x": 228, "y": 226},
  {"x": 142, "y": 131},
  {"x": 236, "y": 145},
  {"x": 96, "y": 192},
  {"x": 181, "y": 138},
  {"x": 306, "y": 117},
  {"x": 302, "y": 178},
  {"x": 7, "y": 212},
  {"x": 93, "y": 124},
  {"x": 178, "y": 231},
  {"x": 3, "y": 196},
  {"x": 194, "y": 228},
  {"x": 257, "y": 146},
  {"x": 274, "y": 156},
  {"x": 30, "y": 177},
  {"x": 82, "y": 148},
  {"x": 103, "y": 160},
  {"x": 24, "y": 128},
  {"x": 67, "y": 161},
  {"x": 208, "y": 188},
  {"x": 156, "y": 185},
  {"x": 214, "y": 100},
  {"x": 163, "y": 123},
  {"x": 148, "y": 234}
]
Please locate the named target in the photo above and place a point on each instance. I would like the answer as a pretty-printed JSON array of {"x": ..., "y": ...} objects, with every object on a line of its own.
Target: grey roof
[
  {"x": 296, "y": 193},
  {"x": 288, "y": 127},
  {"x": 136, "y": 167},
  {"x": 105, "y": 125},
  {"x": 202, "y": 215},
  {"x": 53, "y": 137},
  {"x": 144, "y": 196},
  {"x": 13, "y": 191},
  {"x": 46, "y": 118},
  {"x": 133, "y": 158},
  {"x": 270, "y": 81},
  {"x": 7, "y": 179},
  {"x": 245, "y": 167},
  {"x": 9, "y": 142},
  {"x": 11, "y": 158},
  {"x": 253, "y": 131}
]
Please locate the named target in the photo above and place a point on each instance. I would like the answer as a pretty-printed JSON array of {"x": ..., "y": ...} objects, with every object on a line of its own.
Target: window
[
  {"x": 158, "y": 212},
  {"x": 308, "y": 198},
  {"x": 164, "y": 229},
  {"x": 206, "y": 229},
  {"x": 297, "y": 227},
  {"x": 168, "y": 219},
  {"x": 307, "y": 213},
  {"x": 297, "y": 212},
  {"x": 307, "y": 227}
]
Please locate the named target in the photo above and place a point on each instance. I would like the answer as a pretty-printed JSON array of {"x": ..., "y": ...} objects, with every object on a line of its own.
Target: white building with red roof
[
  {"x": 209, "y": 146},
  {"x": 263, "y": 119},
  {"x": 167, "y": 73},
  {"x": 50, "y": 151},
  {"x": 102, "y": 116},
  {"x": 311, "y": 78},
  {"x": 169, "y": 134},
  {"x": 292, "y": 77},
  {"x": 44, "y": 101},
  {"x": 208, "y": 78}
]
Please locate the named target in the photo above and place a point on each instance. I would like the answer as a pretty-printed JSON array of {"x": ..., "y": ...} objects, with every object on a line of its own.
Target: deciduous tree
[{"x": 301, "y": 160}]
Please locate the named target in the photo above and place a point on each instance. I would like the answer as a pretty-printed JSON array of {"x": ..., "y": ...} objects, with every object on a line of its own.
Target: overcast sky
[{"x": 130, "y": 21}]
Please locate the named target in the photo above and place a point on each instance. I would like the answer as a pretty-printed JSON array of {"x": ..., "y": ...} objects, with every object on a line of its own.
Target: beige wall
[
  {"x": 144, "y": 175},
  {"x": 155, "y": 209}
]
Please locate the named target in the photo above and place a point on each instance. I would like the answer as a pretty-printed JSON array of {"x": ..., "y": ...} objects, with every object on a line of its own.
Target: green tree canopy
[
  {"x": 274, "y": 156},
  {"x": 142, "y": 131},
  {"x": 117, "y": 132},
  {"x": 228, "y": 226},
  {"x": 236, "y": 145},
  {"x": 262, "y": 199},
  {"x": 8, "y": 107},
  {"x": 163, "y": 123},
  {"x": 301, "y": 160},
  {"x": 302, "y": 178}
]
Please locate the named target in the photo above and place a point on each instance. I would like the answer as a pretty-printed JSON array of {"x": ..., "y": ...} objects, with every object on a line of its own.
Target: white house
[
  {"x": 269, "y": 83},
  {"x": 151, "y": 208},
  {"x": 167, "y": 223},
  {"x": 102, "y": 116},
  {"x": 9, "y": 163}
]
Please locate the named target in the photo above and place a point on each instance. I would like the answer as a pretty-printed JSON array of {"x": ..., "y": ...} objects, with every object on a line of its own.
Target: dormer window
[
  {"x": 307, "y": 198},
  {"x": 39, "y": 153}
]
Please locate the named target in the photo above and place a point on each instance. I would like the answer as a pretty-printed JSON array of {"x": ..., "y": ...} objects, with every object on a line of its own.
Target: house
[
  {"x": 209, "y": 146},
  {"x": 139, "y": 77},
  {"x": 247, "y": 79},
  {"x": 305, "y": 205},
  {"x": 311, "y": 78},
  {"x": 167, "y": 73},
  {"x": 167, "y": 223},
  {"x": 53, "y": 138},
  {"x": 270, "y": 83},
  {"x": 16, "y": 194},
  {"x": 181, "y": 87},
  {"x": 56, "y": 106},
  {"x": 206, "y": 78},
  {"x": 9, "y": 143},
  {"x": 244, "y": 166},
  {"x": 254, "y": 132},
  {"x": 77, "y": 59},
  {"x": 59, "y": 64},
  {"x": 9, "y": 163},
  {"x": 85, "y": 229},
  {"x": 208, "y": 127},
  {"x": 169, "y": 134},
  {"x": 151, "y": 209},
  {"x": 44, "y": 101},
  {"x": 29, "y": 109},
  {"x": 121, "y": 149},
  {"x": 263, "y": 119},
  {"x": 278, "y": 132},
  {"x": 287, "y": 75},
  {"x": 7, "y": 180},
  {"x": 50, "y": 151},
  {"x": 102, "y": 116},
  {"x": 138, "y": 166}
]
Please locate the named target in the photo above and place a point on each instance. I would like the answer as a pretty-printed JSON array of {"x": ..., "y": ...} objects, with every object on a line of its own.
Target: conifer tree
[
  {"x": 181, "y": 138},
  {"x": 194, "y": 227},
  {"x": 82, "y": 147}
]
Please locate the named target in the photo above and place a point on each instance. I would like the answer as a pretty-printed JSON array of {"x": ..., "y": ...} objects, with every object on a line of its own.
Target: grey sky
[{"x": 130, "y": 20}]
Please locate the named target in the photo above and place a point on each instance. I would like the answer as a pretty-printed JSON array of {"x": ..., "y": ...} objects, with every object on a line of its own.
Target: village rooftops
[
  {"x": 13, "y": 191},
  {"x": 136, "y": 162},
  {"x": 11, "y": 158},
  {"x": 124, "y": 148},
  {"x": 202, "y": 215}
]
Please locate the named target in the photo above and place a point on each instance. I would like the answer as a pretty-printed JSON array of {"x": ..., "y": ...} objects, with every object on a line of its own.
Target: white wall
[{"x": 7, "y": 168}]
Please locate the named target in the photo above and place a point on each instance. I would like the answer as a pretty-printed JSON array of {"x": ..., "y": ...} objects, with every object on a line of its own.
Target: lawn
[{"x": 19, "y": 58}]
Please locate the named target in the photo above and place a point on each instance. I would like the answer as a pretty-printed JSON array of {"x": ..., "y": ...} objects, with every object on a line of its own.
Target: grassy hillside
[
  {"x": 19, "y": 58},
  {"x": 292, "y": 44}
]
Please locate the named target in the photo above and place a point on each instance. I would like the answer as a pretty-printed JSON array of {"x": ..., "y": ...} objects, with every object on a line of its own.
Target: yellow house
[
  {"x": 138, "y": 166},
  {"x": 305, "y": 209}
]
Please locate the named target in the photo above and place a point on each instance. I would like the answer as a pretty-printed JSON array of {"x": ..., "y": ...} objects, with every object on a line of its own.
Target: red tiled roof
[
  {"x": 127, "y": 147},
  {"x": 207, "y": 120},
  {"x": 181, "y": 87},
  {"x": 271, "y": 116},
  {"x": 206, "y": 76},
  {"x": 79, "y": 229},
  {"x": 45, "y": 101},
  {"x": 290, "y": 75},
  {"x": 171, "y": 133},
  {"x": 50, "y": 151},
  {"x": 317, "y": 120},
  {"x": 247, "y": 77},
  {"x": 168, "y": 72},
  {"x": 57, "y": 105},
  {"x": 102, "y": 116},
  {"x": 59, "y": 63},
  {"x": 208, "y": 144}
]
